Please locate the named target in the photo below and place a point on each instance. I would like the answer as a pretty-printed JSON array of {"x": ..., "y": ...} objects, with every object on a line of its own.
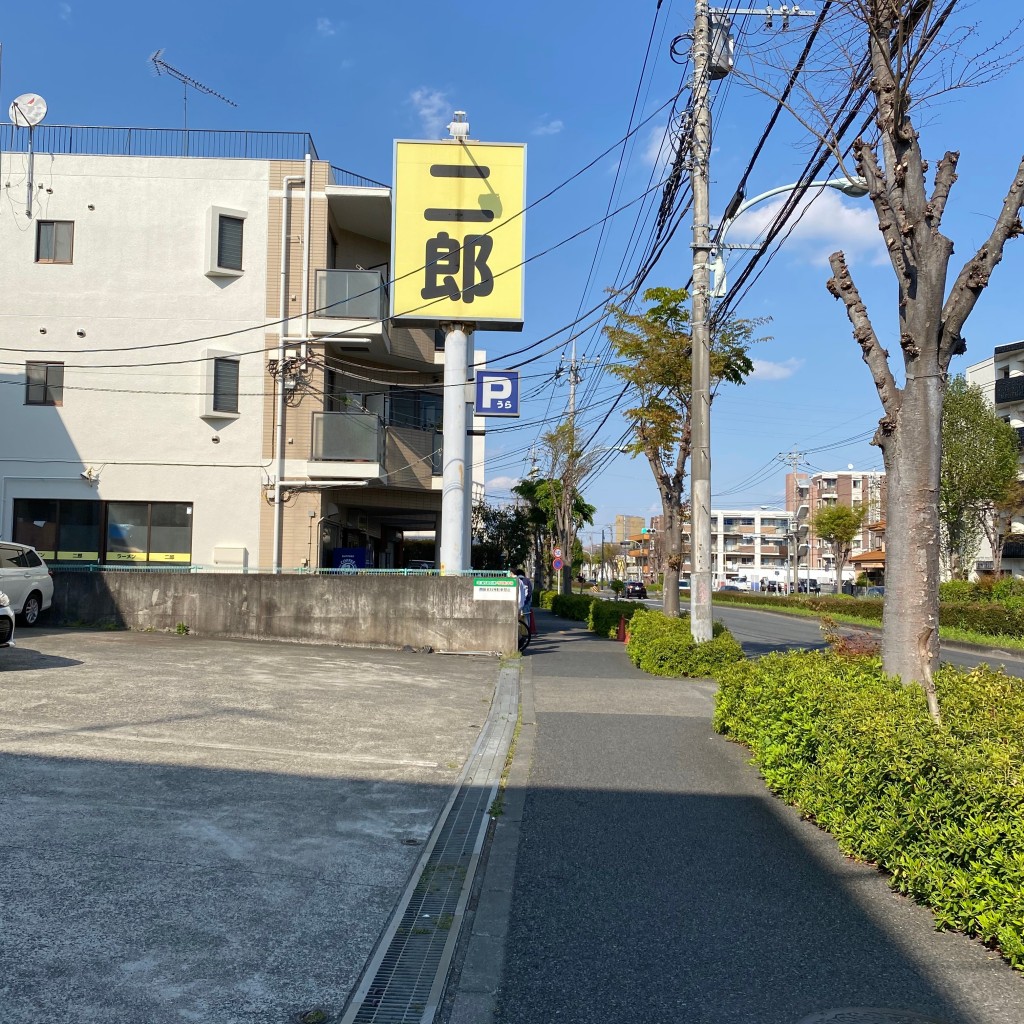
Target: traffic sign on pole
[{"x": 557, "y": 564}]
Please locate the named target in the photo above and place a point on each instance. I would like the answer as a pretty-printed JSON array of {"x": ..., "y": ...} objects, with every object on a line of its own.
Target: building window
[
  {"x": 44, "y": 383},
  {"x": 225, "y": 385},
  {"x": 159, "y": 532},
  {"x": 62, "y": 531},
  {"x": 224, "y": 234},
  {"x": 54, "y": 241},
  {"x": 221, "y": 373},
  {"x": 229, "y": 242}
]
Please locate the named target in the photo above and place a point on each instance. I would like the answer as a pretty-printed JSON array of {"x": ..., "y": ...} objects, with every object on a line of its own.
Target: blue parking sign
[{"x": 497, "y": 393}]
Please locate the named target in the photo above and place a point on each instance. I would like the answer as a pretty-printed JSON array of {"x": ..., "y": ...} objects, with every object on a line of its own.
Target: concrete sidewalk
[{"x": 657, "y": 881}]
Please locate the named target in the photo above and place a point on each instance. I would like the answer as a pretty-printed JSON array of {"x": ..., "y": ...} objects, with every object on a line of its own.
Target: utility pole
[
  {"x": 700, "y": 333},
  {"x": 793, "y": 578},
  {"x": 712, "y": 58}
]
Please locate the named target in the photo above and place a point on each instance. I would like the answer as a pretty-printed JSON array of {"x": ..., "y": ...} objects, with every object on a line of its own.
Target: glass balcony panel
[
  {"x": 351, "y": 294},
  {"x": 347, "y": 437}
]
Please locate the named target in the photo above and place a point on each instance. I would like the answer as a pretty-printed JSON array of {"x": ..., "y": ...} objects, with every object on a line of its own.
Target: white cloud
[
  {"x": 764, "y": 369},
  {"x": 65, "y": 11},
  {"x": 325, "y": 27},
  {"x": 433, "y": 109},
  {"x": 659, "y": 149},
  {"x": 502, "y": 483},
  {"x": 552, "y": 127},
  {"x": 827, "y": 223}
]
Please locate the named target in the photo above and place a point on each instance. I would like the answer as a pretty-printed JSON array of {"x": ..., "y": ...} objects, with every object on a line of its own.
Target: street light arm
[{"x": 853, "y": 187}]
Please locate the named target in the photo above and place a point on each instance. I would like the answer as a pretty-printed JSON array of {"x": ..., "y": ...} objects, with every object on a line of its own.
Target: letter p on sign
[{"x": 497, "y": 393}]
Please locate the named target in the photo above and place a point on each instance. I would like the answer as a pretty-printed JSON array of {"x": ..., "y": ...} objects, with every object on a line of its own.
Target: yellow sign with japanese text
[{"x": 457, "y": 238}]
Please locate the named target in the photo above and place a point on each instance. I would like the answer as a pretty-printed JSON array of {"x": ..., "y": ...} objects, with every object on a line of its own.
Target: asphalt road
[{"x": 763, "y": 631}]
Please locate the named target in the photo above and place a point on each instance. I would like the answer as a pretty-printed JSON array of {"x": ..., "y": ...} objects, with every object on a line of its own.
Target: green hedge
[
  {"x": 940, "y": 810},
  {"x": 664, "y": 646},
  {"x": 605, "y": 616}
]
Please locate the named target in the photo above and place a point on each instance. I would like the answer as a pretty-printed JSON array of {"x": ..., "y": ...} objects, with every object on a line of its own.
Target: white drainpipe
[{"x": 287, "y": 184}]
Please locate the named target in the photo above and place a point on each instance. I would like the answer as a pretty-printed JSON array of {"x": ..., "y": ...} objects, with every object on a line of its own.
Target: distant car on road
[
  {"x": 6, "y": 621},
  {"x": 635, "y": 588},
  {"x": 875, "y": 592},
  {"x": 25, "y": 579},
  {"x": 808, "y": 586}
]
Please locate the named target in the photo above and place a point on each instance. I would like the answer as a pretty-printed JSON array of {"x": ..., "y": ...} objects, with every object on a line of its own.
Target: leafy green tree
[
  {"x": 837, "y": 525},
  {"x": 504, "y": 533},
  {"x": 555, "y": 513},
  {"x": 979, "y": 466},
  {"x": 653, "y": 351}
]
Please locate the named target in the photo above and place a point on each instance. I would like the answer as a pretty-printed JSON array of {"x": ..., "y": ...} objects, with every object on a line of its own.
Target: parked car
[
  {"x": 6, "y": 621},
  {"x": 635, "y": 588},
  {"x": 25, "y": 580},
  {"x": 808, "y": 586},
  {"x": 875, "y": 592}
]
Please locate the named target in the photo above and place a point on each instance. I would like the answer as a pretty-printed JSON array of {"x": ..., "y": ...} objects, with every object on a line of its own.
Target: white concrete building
[
  {"x": 1001, "y": 378},
  {"x": 152, "y": 409}
]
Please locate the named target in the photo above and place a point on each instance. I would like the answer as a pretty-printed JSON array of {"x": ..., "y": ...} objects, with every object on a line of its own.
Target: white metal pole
[
  {"x": 467, "y": 522},
  {"x": 453, "y": 453}
]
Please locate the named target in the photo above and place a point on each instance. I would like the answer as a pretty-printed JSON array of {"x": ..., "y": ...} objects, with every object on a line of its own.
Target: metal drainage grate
[
  {"x": 868, "y": 1015},
  {"x": 404, "y": 980}
]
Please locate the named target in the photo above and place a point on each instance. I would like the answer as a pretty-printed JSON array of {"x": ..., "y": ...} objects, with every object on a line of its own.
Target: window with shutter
[
  {"x": 229, "y": 242},
  {"x": 225, "y": 385}
]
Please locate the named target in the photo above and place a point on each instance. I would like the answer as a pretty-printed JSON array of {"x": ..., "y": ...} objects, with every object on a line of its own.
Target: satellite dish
[{"x": 27, "y": 110}]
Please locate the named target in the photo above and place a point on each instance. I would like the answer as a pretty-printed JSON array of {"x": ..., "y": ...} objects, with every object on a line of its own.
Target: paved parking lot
[{"x": 212, "y": 830}]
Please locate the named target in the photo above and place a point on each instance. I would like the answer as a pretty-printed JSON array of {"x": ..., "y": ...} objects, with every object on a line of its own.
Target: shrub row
[
  {"x": 664, "y": 646},
  {"x": 940, "y": 810},
  {"x": 985, "y": 588}
]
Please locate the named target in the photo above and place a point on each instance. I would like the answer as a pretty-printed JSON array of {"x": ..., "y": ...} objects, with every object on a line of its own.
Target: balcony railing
[
  {"x": 348, "y": 437},
  {"x": 351, "y": 294},
  {"x": 1009, "y": 389}
]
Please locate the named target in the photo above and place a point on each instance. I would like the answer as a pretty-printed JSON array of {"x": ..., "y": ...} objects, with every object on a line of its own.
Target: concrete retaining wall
[{"x": 368, "y": 611}]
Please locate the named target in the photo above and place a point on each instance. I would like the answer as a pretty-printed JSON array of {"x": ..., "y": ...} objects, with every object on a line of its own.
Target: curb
[{"x": 476, "y": 994}]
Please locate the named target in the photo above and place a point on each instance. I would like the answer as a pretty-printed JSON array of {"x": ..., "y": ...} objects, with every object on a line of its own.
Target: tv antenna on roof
[{"x": 161, "y": 67}]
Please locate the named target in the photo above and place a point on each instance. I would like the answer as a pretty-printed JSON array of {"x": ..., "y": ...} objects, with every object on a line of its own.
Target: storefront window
[
  {"x": 127, "y": 531},
  {"x": 35, "y": 523},
  {"x": 171, "y": 533},
  {"x": 79, "y": 531}
]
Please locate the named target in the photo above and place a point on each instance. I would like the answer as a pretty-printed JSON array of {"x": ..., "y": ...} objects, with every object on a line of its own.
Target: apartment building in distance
[
  {"x": 806, "y": 494},
  {"x": 628, "y": 527},
  {"x": 196, "y": 361},
  {"x": 1001, "y": 378}
]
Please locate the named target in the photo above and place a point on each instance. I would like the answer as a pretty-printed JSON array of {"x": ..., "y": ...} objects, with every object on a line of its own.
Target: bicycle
[{"x": 524, "y": 632}]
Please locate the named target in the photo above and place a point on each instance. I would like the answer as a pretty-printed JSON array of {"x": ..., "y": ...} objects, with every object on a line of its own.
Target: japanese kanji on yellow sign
[{"x": 458, "y": 234}]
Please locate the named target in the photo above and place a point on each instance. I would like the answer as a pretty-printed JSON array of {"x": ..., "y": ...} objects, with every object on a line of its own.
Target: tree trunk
[
  {"x": 673, "y": 528},
  {"x": 910, "y": 642}
]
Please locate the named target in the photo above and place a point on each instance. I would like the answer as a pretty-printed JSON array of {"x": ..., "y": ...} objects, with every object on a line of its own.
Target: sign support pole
[{"x": 453, "y": 452}]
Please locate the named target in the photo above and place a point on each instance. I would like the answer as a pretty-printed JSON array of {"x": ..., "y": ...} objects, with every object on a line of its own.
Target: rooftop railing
[
  {"x": 99, "y": 141},
  {"x": 86, "y": 140}
]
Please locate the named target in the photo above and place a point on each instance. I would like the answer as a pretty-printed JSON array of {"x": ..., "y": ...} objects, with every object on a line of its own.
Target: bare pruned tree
[{"x": 895, "y": 54}]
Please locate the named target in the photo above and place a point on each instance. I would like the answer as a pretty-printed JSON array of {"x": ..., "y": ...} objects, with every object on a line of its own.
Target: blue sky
[{"x": 562, "y": 78}]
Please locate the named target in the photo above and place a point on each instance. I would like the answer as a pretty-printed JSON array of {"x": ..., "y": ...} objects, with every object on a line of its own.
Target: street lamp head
[{"x": 855, "y": 188}]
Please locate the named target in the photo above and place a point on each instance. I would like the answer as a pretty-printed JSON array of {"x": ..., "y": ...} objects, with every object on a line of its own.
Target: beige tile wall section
[
  {"x": 412, "y": 343},
  {"x": 408, "y": 457}
]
